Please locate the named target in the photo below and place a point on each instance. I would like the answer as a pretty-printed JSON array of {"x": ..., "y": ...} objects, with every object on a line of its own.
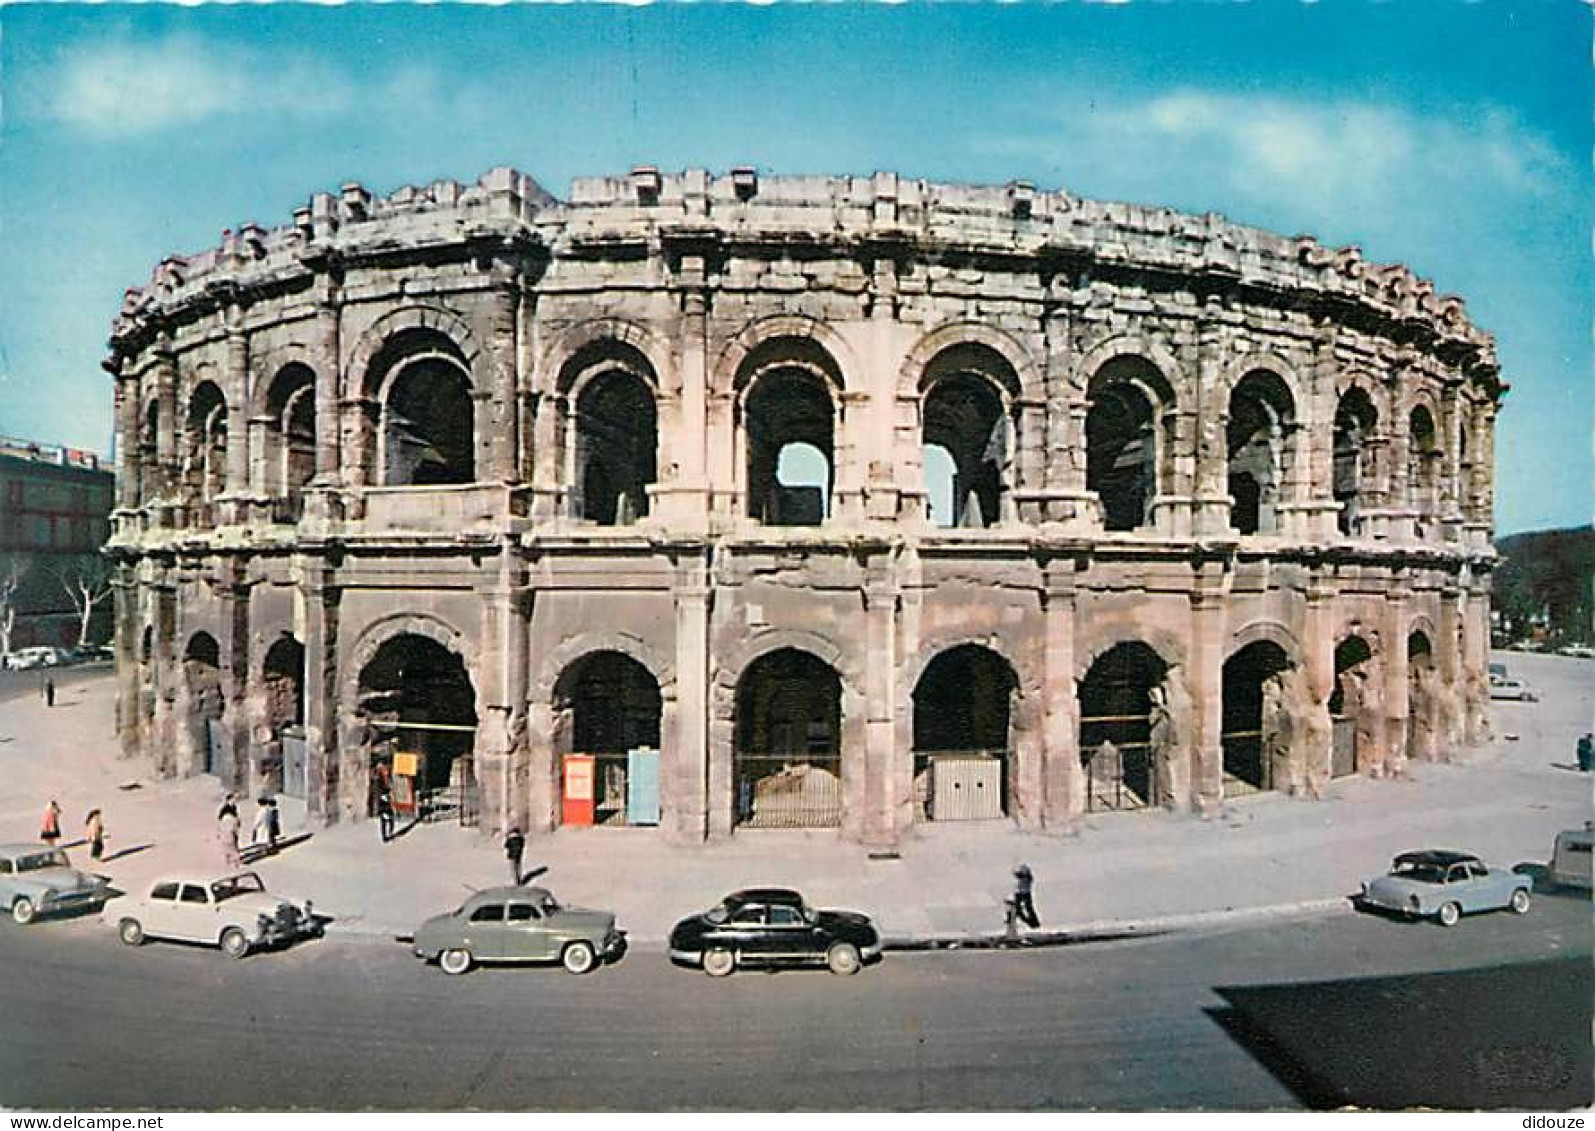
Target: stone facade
[{"x": 1215, "y": 516}]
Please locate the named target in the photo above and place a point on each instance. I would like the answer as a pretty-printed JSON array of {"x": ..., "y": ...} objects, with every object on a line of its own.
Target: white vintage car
[{"x": 235, "y": 913}]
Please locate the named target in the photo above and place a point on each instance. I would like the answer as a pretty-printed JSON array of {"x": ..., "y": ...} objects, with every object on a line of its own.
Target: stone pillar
[
  {"x": 684, "y": 780},
  {"x": 237, "y": 383},
  {"x": 1397, "y": 674},
  {"x": 684, "y": 448},
  {"x": 322, "y": 679},
  {"x": 264, "y": 479},
  {"x": 1030, "y": 464},
  {"x": 547, "y": 416},
  {"x": 500, "y": 751},
  {"x": 329, "y": 383},
  {"x": 235, "y": 674},
  {"x": 503, "y": 421},
  {"x": 1062, "y": 782},
  {"x": 1205, "y": 684},
  {"x": 1451, "y": 485},
  {"x": 1211, "y": 499},
  {"x": 1067, "y": 500},
  {"x": 542, "y": 769},
  {"x": 1448, "y": 655},
  {"x": 1311, "y": 703},
  {"x": 167, "y": 456},
  {"x": 163, "y": 737},
  {"x": 1475, "y": 614},
  {"x": 129, "y": 721},
  {"x": 130, "y": 464},
  {"x": 885, "y": 814}
]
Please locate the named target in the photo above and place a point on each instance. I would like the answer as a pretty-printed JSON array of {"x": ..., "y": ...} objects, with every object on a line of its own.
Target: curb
[{"x": 1095, "y": 931}]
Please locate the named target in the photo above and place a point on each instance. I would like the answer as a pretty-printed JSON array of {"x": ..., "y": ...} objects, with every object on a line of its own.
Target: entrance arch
[
  {"x": 788, "y": 756},
  {"x": 418, "y": 698},
  {"x": 1255, "y": 736},
  {"x": 606, "y": 704},
  {"x": 202, "y": 676},
  {"x": 963, "y": 747},
  {"x": 1353, "y": 671},
  {"x": 1116, "y": 698},
  {"x": 283, "y": 682}
]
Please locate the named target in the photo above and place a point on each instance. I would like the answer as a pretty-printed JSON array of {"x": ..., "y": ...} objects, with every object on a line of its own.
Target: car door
[
  {"x": 792, "y": 938},
  {"x": 1488, "y": 890},
  {"x": 744, "y": 933},
  {"x": 194, "y": 915},
  {"x": 526, "y": 937},
  {"x": 484, "y": 932},
  {"x": 158, "y": 911}
]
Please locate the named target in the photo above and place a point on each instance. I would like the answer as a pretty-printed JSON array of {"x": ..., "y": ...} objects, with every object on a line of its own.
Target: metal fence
[
  {"x": 1247, "y": 769},
  {"x": 788, "y": 791},
  {"x": 1125, "y": 777}
]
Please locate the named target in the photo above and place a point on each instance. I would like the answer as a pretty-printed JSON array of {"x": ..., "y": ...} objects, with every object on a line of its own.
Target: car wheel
[
  {"x": 456, "y": 961},
  {"x": 1450, "y": 914},
  {"x": 235, "y": 944},
  {"x": 132, "y": 932},
  {"x": 843, "y": 958},
  {"x": 23, "y": 910},
  {"x": 718, "y": 963},
  {"x": 1520, "y": 902},
  {"x": 579, "y": 957}
]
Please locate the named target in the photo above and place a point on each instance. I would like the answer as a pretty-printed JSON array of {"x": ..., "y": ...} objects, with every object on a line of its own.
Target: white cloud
[{"x": 124, "y": 87}]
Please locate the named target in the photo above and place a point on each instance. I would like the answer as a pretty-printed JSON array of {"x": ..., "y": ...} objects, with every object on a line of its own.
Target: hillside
[{"x": 1548, "y": 572}]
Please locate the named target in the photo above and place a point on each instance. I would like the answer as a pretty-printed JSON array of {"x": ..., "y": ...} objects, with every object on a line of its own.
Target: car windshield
[
  {"x": 236, "y": 885},
  {"x": 719, "y": 913},
  {"x": 38, "y": 861},
  {"x": 1423, "y": 871}
]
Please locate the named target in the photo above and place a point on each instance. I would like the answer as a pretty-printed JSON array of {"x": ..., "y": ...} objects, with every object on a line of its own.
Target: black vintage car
[{"x": 773, "y": 927}]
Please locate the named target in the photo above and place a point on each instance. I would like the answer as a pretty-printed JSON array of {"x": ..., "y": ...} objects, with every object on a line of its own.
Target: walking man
[
  {"x": 49, "y": 692},
  {"x": 1023, "y": 902},
  {"x": 385, "y": 815},
  {"x": 514, "y": 848}
]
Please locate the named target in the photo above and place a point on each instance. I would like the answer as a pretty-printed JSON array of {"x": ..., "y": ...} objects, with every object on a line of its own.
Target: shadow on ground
[{"x": 1503, "y": 1037}]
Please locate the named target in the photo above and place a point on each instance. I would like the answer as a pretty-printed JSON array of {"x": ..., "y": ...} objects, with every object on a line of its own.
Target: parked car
[
  {"x": 518, "y": 924},
  {"x": 24, "y": 659},
  {"x": 36, "y": 879},
  {"x": 235, "y": 913},
  {"x": 773, "y": 927},
  {"x": 88, "y": 653},
  {"x": 1513, "y": 689},
  {"x": 1446, "y": 885},
  {"x": 1579, "y": 651},
  {"x": 1572, "y": 862}
]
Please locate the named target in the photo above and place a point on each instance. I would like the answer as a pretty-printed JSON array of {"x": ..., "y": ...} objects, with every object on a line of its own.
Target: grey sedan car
[
  {"x": 36, "y": 879},
  {"x": 1446, "y": 885},
  {"x": 518, "y": 924}
]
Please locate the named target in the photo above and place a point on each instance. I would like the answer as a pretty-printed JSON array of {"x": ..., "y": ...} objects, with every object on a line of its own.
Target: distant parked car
[
  {"x": 1445, "y": 886},
  {"x": 235, "y": 913},
  {"x": 773, "y": 927},
  {"x": 36, "y": 879},
  {"x": 88, "y": 653},
  {"x": 1579, "y": 651},
  {"x": 518, "y": 924},
  {"x": 1572, "y": 862},
  {"x": 1513, "y": 689},
  {"x": 42, "y": 656}
]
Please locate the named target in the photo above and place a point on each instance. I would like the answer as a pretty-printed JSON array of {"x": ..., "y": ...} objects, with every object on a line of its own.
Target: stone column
[
  {"x": 1030, "y": 464},
  {"x": 1475, "y": 614},
  {"x": 503, "y": 421},
  {"x": 547, "y": 414},
  {"x": 684, "y": 472},
  {"x": 1205, "y": 683},
  {"x": 237, "y": 382},
  {"x": 235, "y": 674},
  {"x": 1404, "y": 505},
  {"x": 501, "y": 765},
  {"x": 1062, "y": 782},
  {"x": 168, "y": 678},
  {"x": 167, "y": 455},
  {"x": 129, "y": 723},
  {"x": 542, "y": 769},
  {"x": 1211, "y": 501},
  {"x": 684, "y": 780},
  {"x": 1397, "y": 673},
  {"x": 1448, "y": 656},
  {"x": 1311, "y": 705},
  {"x": 329, "y": 385},
  {"x": 130, "y": 463},
  {"x": 1451, "y": 486},
  {"x": 322, "y": 679},
  {"x": 886, "y": 813}
]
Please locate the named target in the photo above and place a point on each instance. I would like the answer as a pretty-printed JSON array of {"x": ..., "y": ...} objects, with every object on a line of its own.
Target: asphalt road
[{"x": 337, "y": 1024}]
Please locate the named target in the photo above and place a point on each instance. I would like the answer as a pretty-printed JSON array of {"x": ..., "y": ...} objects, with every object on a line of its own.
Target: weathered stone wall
[{"x": 878, "y": 295}]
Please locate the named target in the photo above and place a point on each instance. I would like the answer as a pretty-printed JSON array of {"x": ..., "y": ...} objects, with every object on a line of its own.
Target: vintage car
[
  {"x": 36, "y": 879},
  {"x": 773, "y": 927},
  {"x": 1513, "y": 689},
  {"x": 235, "y": 913},
  {"x": 518, "y": 924},
  {"x": 1445, "y": 885},
  {"x": 1572, "y": 862}
]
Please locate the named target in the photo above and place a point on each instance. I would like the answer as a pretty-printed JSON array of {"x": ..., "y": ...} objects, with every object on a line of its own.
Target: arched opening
[
  {"x": 283, "y": 756},
  {"x": 202, "y": 674},
  {"x": 788, "y": 759},
  {"x": 290, "y": 438},
  {"x": 962, "y": 738},
  {"x": 1423, "y": 463},
  {"x": 607, "y": 706},
  {"x": 427, "y": 434},
  {"x": 1115, "y": 727},
  {"x": 1122, "y": 441},
  {"x": 788, "y": 420},
  {"x": 1422, "y": 689},
  {"x": 1256, "y": 734},
  {"x": 1353, "y": 669},
  {"x": 419, "y": 701},
  {"x": 1258, "y": 437},
  {"x": 1355, "y": 422},
  {"x": 205, "y": 468},
  {"x": 616, "y": 449},
  {"x": 964, "y": 420}
]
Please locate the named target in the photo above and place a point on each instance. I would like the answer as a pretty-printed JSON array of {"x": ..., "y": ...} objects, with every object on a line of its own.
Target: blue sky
[{"x": 1453, "y": 137}]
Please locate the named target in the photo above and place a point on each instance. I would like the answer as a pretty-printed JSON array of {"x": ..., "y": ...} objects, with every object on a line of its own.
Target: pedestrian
[
  {"x": 49, "y": 692},
  {"x": 227, "y": 836},
  {"x": 273, "y": 823},
  {"x": 1023, "y": 901},
  {"x": 50, "y": 827},
  {"x": 1586, "y": 752},
  {"x": 94, "y": 833},
  {"x": 261, "y": 834},
  {"x": 514, "y": 848},
  {"x": 229, "y": 806},
  {"x": 385, "y": 815}
]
